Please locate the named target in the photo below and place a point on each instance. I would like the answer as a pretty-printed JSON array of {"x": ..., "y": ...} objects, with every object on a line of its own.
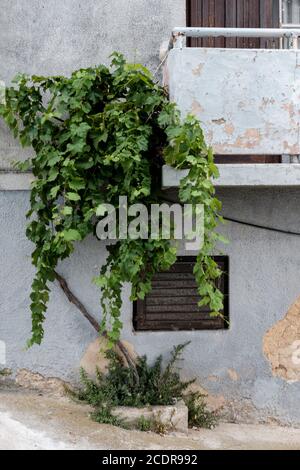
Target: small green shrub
[
  {"x": 103, "y": 414},
  {"x": 5, "y": 372},
  {"x": 199, "y": 415},
  {"x": 160, "y": 428},
  {"x": 144, "y": 424},
  {"x": 155, "y": 386}
]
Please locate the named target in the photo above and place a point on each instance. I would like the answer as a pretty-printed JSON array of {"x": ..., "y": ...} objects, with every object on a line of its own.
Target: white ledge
[
  {"x": 237, "y": 175},
  {"x": 12, "y": 181},
  {"x": 243, "y": 175}
]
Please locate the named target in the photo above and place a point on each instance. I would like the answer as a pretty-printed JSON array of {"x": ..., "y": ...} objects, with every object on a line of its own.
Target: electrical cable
[
  {"x": 263, "y": 227},
  {"x": 250, "y": 224}
]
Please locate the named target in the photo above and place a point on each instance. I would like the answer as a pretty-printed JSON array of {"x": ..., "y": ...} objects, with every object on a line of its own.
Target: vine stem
[{"x": 121, "y": 349}]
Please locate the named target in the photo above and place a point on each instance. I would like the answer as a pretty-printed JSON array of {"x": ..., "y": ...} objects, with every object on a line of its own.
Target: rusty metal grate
[{"x": 172, "y": 304}]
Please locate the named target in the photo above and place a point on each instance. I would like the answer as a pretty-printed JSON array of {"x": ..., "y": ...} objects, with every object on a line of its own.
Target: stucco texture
[
  {"x": 51, "y": 37},
  {"x": 260, "y": 107},
  {"x": 230, "y": 365},
  {"x": 56, "y": 37}
]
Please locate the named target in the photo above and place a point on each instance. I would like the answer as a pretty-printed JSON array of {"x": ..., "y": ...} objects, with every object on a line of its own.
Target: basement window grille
[{"x": 172, "y": 304}]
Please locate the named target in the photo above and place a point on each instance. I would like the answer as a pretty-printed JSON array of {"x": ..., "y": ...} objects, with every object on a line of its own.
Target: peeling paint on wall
[
  {"x": 34, "y": 381},
  {"x": 247, "y": 100},
  {"x": 233, "y": 375},
  {"x": 281, "y": 345},
  {"x": 197, "y": 70},
  {"x": 95, "y": 358},
  {"x": 196, "y": 107}
]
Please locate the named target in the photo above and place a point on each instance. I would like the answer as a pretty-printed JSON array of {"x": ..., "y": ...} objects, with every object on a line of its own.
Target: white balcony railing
[
  {"x": 248, "y": 100},
  {"x": 291, "y": 32}
]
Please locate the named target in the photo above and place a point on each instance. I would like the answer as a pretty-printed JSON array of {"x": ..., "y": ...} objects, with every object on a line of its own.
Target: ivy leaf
[
  {"x": 99, "y": 281},
  {"x": 54, "y": 191},
  {"x": 73, "y": 196},
  {"x": 77, "y": 183},
  {"x": 54, "y": 159},
  {"x": 71, "y": 235},
  {"x": 53, "y": 174},
  {"x": 77, "y": 147},
  {"x": 67, "y": 210}
]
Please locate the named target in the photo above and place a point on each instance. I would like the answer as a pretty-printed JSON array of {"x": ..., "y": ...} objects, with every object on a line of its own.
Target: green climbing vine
[{"x": 99, "y": 134}]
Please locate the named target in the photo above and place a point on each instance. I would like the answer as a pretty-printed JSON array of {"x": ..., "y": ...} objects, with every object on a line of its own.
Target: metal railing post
[{"x": 293, "y": 44}]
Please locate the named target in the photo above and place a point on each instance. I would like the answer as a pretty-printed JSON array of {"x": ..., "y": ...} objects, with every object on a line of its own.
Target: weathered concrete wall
[
  {"x": 247, "y": 99},
  {"x": 264, "y": 282},
  {"x": 56, "y": 37},
  {"x": 234, "y": 175}
]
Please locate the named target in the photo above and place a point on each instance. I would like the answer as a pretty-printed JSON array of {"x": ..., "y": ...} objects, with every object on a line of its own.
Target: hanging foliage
[{"x": 102, "y": 133}]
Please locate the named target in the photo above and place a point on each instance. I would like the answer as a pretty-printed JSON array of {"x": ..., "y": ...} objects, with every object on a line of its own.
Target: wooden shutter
[
  {"x": 173, "y": 302},
  {"x": 233, "y": 14}
]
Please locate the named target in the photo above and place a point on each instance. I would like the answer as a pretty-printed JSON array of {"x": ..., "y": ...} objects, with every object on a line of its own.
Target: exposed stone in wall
[
  {"x": 244, "y": 411},
  {"x": 215, "y": 403},
  {"x": 94, "y": 357},
  {"x": 233, "y": 375},
  {"x": 35, "y": 381},
  {"x": 281, "y": 345},
  {"x": 234, "y": 410}
]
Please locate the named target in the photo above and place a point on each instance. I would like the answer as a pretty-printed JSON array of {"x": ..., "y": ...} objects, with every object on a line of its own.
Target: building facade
[{"x": 252, "y": 368}]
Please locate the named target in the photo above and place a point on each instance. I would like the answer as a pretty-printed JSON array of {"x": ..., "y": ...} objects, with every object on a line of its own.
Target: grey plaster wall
[
  {"x": 264, "y": 281},
  {"x": 56, "y": 37},
  {"x": 52, "y": 36}
]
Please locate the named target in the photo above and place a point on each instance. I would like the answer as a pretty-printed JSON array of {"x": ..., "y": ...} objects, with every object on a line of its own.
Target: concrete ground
[{"x": 31, "y": 420}]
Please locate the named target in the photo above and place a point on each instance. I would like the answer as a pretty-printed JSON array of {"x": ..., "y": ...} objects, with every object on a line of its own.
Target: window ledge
[
  {"x": 13, "y": 181},
  {"x": 243, "y": 175},
  {"x": 237, "y": 175}
]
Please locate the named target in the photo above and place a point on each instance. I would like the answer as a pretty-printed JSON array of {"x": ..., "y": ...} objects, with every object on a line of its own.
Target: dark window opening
[
  {"x": 232, "y": 159},
  {"x": 234, "y": 14},
  {"x": 172, "y": 304}
]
